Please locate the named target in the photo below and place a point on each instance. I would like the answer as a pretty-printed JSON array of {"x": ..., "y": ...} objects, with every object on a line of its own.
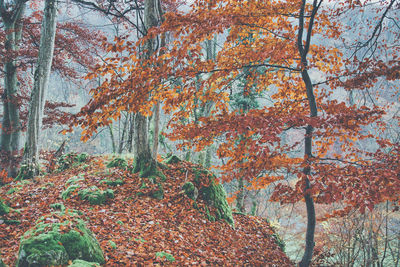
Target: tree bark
[
  {"x": 142, "y": 153},
  {"x": 30, "y": 166},
  {"x": 11, "y": 126},
  {"x": 156, "y": 129},
  {"x": 312, "y": 104}
]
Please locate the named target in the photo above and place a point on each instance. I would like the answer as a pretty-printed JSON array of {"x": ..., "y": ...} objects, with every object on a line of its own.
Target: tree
[
  {"x": 19, "y": 56},
  {"x": 30, "y": 165},
  {"x": 290, "y": 43},
  {"x": 11, "y": 15}
]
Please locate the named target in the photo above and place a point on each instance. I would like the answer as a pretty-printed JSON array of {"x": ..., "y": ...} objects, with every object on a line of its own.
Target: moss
[
  {"x": 214, "y": 194},
  {"x": 2, "y": 263},
  {"x": 57, "y": 206},
  {"x": 113, "y": 183},
  {"x": 4, "y": 209},
  {"x": 46, "y": 244},
  {"x": 27, "y": 171},
  {"x": 148, "y": 169},
  {"x": 112, "y": 244},
  {"x": 279, "y": 241},
  {"x": 209, "y": 216},
  {"x": 118, "y": 163},
  {"x": 190, "y": 190},
  {"x": 80, "y": 158},
  {"x": 71, "y": 159},
  {"x": 172, "y": 160},
  {"x": 42, "y": 250},
  {"x": 95, "y": 196},
  {"x": 82, "y": 263},
  {"x": 165, "y": 255},
  {"x": 67, "y": 192},
  {"x": 13, "y": 190},
  {"x": 159, "y": 193},
  {"x": 75, "y": 179}
]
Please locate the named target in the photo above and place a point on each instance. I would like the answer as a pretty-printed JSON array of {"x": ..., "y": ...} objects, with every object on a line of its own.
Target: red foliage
[{"x": 141, "y": 226}]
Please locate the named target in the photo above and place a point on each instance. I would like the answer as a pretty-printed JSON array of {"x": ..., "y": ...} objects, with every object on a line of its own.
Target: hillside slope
[{"x": 134, "y": 228}]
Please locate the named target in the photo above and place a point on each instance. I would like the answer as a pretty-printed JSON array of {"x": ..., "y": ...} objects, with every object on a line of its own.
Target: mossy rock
[
  {"x": 118, "y": 163},
  {"x": 159, "y": 192},
  {"x": 27, "y": 172},
  {"x": 56, "y": 243},
  {"x": 4, "y": 209},
  {"x": 147, "y": 168},
  {"x": 67, "y": 192},
  {"x": 95, "y": 196},
  {"x": 214, "y": 195},
  {"x": 172, "y": 160},
  {"x": 82, "y": 263},
  {"x": 190, "y": 190},
  {"x": 71, "y": 159}
]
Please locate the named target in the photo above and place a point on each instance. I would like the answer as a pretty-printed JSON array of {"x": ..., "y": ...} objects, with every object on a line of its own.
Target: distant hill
[{"x": 132, "y": 225}]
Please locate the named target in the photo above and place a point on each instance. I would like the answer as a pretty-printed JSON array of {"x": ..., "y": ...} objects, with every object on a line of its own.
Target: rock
[{"x": 57, "y": 242}]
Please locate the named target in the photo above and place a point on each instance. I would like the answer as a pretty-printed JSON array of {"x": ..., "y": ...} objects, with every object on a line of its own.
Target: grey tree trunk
[
  {"x": 240, "y": 196},
  {"x": 30, "y": 166},
  {"x": 11, "y": 126},
  {"x": 156, "y": 129},
  {"x": 142, "y": 153},
  {"x": 312, "y": 104}
]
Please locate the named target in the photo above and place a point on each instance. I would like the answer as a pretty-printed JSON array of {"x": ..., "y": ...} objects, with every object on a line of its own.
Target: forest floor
[{"x": 132, "y": 228}]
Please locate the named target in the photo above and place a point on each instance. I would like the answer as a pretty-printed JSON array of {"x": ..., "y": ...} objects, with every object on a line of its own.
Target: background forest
[{"x": 294, "y": 105}]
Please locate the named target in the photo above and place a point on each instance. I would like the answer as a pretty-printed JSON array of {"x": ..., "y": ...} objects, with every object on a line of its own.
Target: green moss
[
  {"x": 75, "y": 179},
  {"x": 113, "y": 183},
  {"x": 172, "y": 160},
  {"x": 140, "y": 239},
  {"x": 120, "y": 222},
  {"x": 165, "y": 255},
  {"x": 57, "y": 206},
  {"x": 95, "y": 196},
  {"x": 209, "y": 216},
  {"x": 159, "y": 193},
  {"x": 118, "y": 163},
  {"x": 148, "y": 169},
  {"x": 71, "y": 160},
  {"x": 279, "y": 241},
  {"x": 112, "y": 244},
  {"x": 67, "y": 192},
  {"x": 4, "y": 209},
  {"x": 2, "y": 263},
  {"x": 214, "y": 194},
  {"x": 80, "y": 158},
  {"x": 42, "y": 250},
  {"x": 190, "y": 190},
  {"x": 46, "y": 245},
  {"x": 27, "y": 171},
  {"x": 82, "y": 263},
  {"x": 13, "y": 190}
]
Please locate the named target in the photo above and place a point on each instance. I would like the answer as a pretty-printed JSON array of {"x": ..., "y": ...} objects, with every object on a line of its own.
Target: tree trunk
[
  {"x": 312, "y": 104},
  {"x": 240, "y": 196},
  {"x": 11, "y": 126},
  {"x": 131, "y": 131},
  {"x": 144, "y": 162},
  {"x": 122, "y": 140},
  {"x": 114, "y": 149},
  {"x": 30, "y": 167},
  {"x": 156, "y": 129}
]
